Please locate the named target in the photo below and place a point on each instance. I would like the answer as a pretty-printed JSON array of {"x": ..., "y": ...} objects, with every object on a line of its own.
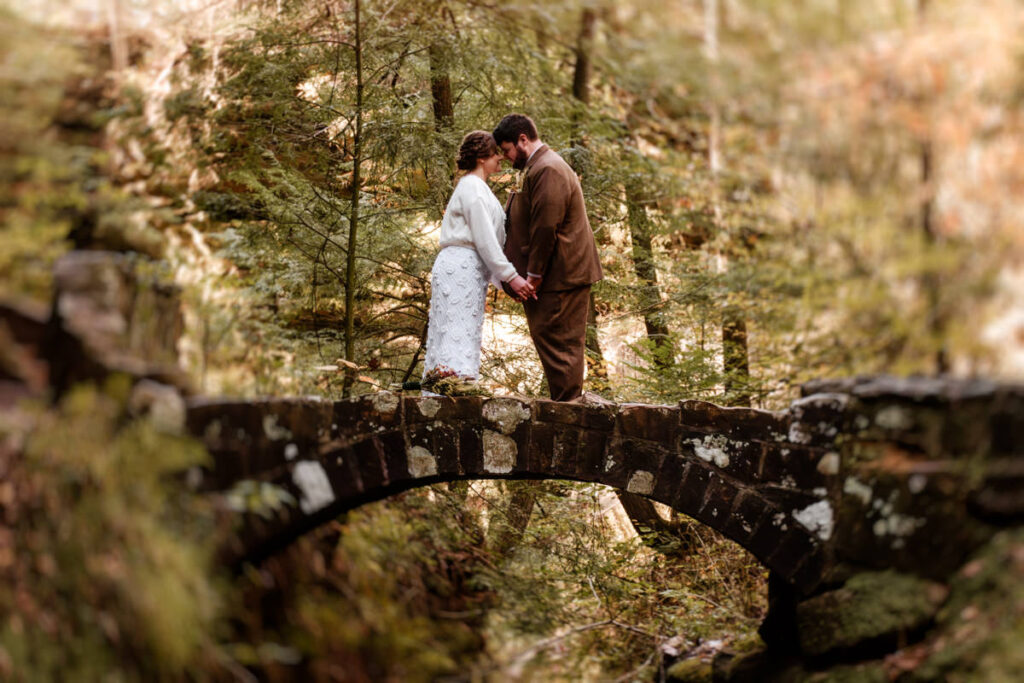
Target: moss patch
[
  {"x": 981, "y": 627},
  {"x": 870, "y": 607}
]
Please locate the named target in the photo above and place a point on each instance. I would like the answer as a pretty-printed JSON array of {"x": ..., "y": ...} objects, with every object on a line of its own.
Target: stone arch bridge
[
  {"x": 873, "y": 473},
  {"x": 860, "y": 485}
]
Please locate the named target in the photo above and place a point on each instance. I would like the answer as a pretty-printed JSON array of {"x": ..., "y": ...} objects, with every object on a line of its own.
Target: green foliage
[
  {"x": 106, "y": 561},
  {"x": 39, "y": 179},
  {"x": 387, "y": 595},
  {"x": 604, "y": 602}
]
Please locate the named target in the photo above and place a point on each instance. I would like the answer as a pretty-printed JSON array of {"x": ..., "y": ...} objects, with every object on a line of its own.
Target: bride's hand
[{"x": 523, "y": 289}]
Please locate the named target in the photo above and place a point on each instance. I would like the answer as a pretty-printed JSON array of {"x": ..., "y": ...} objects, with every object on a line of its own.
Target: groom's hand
[
  {"x": 534, "y": 281},
  {"x": 521, "y": 288}
]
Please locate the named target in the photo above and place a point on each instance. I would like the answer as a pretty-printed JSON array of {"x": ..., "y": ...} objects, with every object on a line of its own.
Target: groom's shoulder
[{"x": 551, "y": 160}]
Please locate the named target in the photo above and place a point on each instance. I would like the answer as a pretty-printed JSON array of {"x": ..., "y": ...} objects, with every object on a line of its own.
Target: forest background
[{"x": 779, "y": 191}]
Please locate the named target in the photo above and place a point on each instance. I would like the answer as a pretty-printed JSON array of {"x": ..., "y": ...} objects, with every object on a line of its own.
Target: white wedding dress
[{"x": 472, "y": 238}]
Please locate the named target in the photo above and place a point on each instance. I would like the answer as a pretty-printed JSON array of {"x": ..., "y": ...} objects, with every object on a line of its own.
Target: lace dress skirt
[{"x": 458, "y": 283}]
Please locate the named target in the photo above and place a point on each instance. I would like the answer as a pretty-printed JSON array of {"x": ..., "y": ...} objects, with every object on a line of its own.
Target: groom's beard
[{"x": 519, "y": 163}]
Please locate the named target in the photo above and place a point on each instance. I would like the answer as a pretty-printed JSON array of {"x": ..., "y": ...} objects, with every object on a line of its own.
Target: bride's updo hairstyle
[{"x": 476, "y": 145}]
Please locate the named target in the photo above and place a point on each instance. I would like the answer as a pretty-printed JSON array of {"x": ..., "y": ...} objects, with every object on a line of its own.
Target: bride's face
[{"x": 491, "y": 164}]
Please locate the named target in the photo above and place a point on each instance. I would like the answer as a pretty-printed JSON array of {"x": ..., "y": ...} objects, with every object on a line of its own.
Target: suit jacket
[{"x": 548, "y": 232}]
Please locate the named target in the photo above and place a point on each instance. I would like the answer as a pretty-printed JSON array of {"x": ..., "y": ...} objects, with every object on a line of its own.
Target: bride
[{"x": 472, "y": 241}]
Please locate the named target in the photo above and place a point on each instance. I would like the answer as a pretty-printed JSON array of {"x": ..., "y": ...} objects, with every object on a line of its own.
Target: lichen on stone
[
  {"x": 897, "y": 525},
  {"x": 499, "y": 452},
  {"x": 385, "y": 402},
  {"x": 712, "y": 449},
  {"x": 829, "y": 464},
  {"x": 893, "y": 417},
  {"x": 816, "y": 518},
  {"x": 273, "y": 430},
  {"x": 869, "y": 607},
  {"x": 854, "y": 487},
  {"x": 505, "y": 413},
  {"x": 641, "y": 482},
  {"x": 422, "y": 462},
  {"x": 428, "y": 407},
  {"x": 316, "y": 489}
]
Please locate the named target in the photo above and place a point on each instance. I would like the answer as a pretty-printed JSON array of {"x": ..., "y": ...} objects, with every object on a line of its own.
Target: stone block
[
  {"x": 591, "y": 453},
  {"x": 565, "y": 451},
  {"x": 747, "y": 512},
  {"x": 471, "y": 449},
  {"x": 913, "y": 426},
  {"x": 588, "y": 416},
  {"x": 626, "y": 456},
  {"x": 768, "y": 534},
  {"x": 690, "y": 495},
  {"x": 342, "y": 467},
  {"x": 1000, "y": 497},
  {"x": 740, "y": 459},
  {"x": 1006, "y": 424},
  {"x": 540, "y": 454},
  {"x": 915, "y": 523},
  {"x": 808, "y": 575},
  {"x": 794, "y": 547},
  {"x": 718, "y": 502},
  {"x": 442, "y": 408},
  {"x": 794, "y": 467},
  {"x": 247, "y": 438},
  {"x": 871, "y": 614},
  {"x": 396, "y": 454},
  {"x": 736, "y": 423},
  {"x": 819, "y": 420},
  {"x": 786, "y": 498},
  {"x": 446, "y": 448},
  {"x": 653, "y": 423},
  {"x": 369, "y": 461},
  {"x": 501, "y": 453},
  {"x": 507, "y": 424},
  {"x": 669, "y": 478},
  {"x": 371, "y": 413},
  {"x": 922, "y": 390}
]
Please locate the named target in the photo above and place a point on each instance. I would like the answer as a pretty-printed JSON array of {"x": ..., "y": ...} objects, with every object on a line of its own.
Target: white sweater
[{"x": 474, "y": 218}]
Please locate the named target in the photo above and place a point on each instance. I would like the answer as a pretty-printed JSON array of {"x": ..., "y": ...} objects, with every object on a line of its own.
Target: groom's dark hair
[{"x": 512, "y": 126}]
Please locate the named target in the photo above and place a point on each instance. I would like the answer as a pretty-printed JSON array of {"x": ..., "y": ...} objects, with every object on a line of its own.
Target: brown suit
[{"x": 548, "y": 234}]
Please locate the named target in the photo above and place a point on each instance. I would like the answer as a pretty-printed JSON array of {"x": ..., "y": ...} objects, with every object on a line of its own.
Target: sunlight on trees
[{"x": 779, "y": 191}]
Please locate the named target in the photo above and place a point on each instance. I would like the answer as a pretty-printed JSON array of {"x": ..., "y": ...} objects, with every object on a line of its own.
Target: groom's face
[{"x": 515, "y": 153}]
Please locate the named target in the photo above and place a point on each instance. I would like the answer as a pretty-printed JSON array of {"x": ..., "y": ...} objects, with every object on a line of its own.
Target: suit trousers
[{"x": 558, "y": 326}]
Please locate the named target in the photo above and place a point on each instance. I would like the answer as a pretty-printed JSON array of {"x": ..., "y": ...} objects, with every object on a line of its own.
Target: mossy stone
[
  {"x": 872, "y": 672},
  {"x": 870, "y": 607},
  {"x": 689, "y": 671}
]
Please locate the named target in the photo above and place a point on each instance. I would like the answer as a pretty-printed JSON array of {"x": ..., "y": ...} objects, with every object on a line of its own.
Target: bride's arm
[{"x": 485, "y": 239}]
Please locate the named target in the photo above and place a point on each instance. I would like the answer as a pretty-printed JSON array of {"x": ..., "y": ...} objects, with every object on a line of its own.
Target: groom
[{"x": 549, "y": 240}]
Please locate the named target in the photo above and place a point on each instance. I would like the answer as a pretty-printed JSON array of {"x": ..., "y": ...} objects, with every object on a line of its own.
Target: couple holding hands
[{"x": 539, "y": 248}]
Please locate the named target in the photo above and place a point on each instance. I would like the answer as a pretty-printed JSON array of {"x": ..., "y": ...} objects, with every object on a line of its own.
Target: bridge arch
[{"x": 760, "y": 478}]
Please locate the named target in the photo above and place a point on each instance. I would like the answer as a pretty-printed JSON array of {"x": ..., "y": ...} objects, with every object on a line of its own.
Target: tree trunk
[
  {"x": 509, "y": 534},
  {"x": 735, "y": 358},
  {"x": 735, "y": 352},
  {"x": 118, "y": 43},
  {"x": 584, "y": 43},
  {"x": 646, "y": 272},
  {"x": 441, "y": 176},
  {"x": 353, "y": 221},
  {"x": 932, "y": 281},
  {"x": 441, "y": 87},
  {"x": 597, "y": 368},
  {"x": 675, "y": 538}
]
